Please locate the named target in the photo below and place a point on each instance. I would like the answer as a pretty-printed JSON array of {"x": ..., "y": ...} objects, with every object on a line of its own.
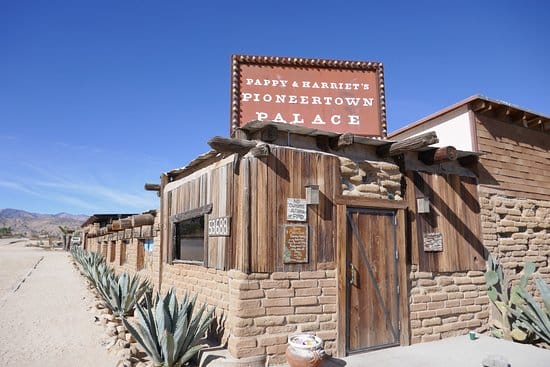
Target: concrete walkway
[
  {"x": 43, "y": 312},
  {"x": 452, "y": 352}
]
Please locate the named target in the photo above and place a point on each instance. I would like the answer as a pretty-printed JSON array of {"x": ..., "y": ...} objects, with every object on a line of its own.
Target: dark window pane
[{"x": 190, "y": 239}]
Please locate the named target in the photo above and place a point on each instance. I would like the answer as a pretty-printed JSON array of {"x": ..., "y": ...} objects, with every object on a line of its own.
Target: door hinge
[
  {"x": 398, "y": 290},
  {"x": 395, "y": 220}
]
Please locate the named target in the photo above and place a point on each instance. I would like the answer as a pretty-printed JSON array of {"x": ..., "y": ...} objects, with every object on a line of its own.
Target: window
[
  {"x": 112, "y": 253},
  {"x": 145, "y": 254},
  {"x": 140, "y": 255},
  {"x": 124, "y": 251},
  {"x": 189, "y": 240}
]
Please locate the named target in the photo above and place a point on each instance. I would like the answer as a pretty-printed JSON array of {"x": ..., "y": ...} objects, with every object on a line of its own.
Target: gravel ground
[{"x": 43, "y": 311}]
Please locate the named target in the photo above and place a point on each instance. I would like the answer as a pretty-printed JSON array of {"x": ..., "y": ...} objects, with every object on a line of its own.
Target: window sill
[{"x": 188, "y": 262}]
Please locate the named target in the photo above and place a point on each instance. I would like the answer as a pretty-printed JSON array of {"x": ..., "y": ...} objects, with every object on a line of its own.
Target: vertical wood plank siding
[
  {"x": 214, "y": 186},
  {"x": 454, "y": 212},
  {"x": 282, "y": 175}
]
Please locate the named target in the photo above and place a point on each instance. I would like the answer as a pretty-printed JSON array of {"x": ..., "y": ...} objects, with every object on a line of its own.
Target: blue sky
[{"x": 99, "y": 97}]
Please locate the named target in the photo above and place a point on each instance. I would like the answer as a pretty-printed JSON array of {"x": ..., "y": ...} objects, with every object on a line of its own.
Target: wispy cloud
[
  {"x": 16, "y": 186},
  {"x": 76, "y": 202},
  {"x": 100, "y": 192}
]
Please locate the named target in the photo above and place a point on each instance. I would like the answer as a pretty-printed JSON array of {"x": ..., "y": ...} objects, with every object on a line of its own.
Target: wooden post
[
  {"x": 260, "y": 151},
  {"x": 246, "y": 218},
  {"x": 151, "y": 187},
  {"x": 343, "y": 141},
  {"x": 125, "y": 223},
  {"x": 438, "y": 155},
  {"x": 269, "y": 133},
  {"x": 231, "y": 145},
  {"x": 115, "y": 225},
  {"x": 407, "y": 145},
  {"x": 142, "y": 220}
]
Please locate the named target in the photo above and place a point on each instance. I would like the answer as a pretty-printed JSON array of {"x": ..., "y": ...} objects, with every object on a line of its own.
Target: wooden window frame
[{"x": 180, "y": 217}]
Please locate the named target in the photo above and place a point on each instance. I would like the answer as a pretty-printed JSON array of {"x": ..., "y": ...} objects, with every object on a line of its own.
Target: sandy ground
[{"x": 44, "y": 319}]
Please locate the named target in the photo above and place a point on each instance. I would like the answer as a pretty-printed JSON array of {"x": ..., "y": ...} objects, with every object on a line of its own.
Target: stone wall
[
  {"x": 260, "y": 310},
  {"x": 266, "y": 308},
  {"x": 370, "y": 179},
  {"x": 447, "y": 304},
  {"x": 515, "y": 231}
]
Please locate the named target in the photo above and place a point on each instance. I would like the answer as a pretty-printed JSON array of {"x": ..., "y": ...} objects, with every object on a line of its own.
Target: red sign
[{"x": 336, "y": 96}]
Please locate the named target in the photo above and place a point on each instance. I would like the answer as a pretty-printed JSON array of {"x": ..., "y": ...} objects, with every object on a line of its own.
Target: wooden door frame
[{"x": 399, "y": 207}]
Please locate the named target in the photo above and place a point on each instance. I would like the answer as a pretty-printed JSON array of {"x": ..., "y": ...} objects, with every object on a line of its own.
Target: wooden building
[
  {"x": 512, "y": 167},
  {"x": 287, "y": 229},
  {"x": 129, "y": 242}
]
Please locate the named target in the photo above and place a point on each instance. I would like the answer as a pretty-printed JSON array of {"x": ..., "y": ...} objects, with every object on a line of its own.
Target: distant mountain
[{"x": 33, "y": 224}]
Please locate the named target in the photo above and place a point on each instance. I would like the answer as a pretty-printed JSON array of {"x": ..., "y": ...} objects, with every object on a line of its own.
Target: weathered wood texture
[
  {"x": 282, "y": 175},
  {"x": 454, "y": 212},
  {"x": 231, "y": 145},
  {"x": 213, "y": 186},
  {"x": 516, "y": 160},
  {"x": 409, "y": 144},
  {"x": 438, "y": 155},
  {"x": 373, "y": 309}
]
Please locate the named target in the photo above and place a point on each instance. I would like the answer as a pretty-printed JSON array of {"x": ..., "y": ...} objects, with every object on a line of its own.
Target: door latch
[{"x": 353, "y": 275}]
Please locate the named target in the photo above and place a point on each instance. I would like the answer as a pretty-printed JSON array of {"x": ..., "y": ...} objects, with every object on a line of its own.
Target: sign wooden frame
[{"x": 305, "y": 65}]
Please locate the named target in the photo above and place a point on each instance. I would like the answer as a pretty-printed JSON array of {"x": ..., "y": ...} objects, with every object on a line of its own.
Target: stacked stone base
[{"x": 447, "y": 304}]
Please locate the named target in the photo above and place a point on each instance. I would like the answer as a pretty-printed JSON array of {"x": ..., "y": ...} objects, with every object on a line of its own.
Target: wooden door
[{"x": 372, "y": 280}]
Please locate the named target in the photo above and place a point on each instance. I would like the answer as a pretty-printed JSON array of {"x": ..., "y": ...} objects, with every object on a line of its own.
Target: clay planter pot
[{"x": 304, "y": 350}]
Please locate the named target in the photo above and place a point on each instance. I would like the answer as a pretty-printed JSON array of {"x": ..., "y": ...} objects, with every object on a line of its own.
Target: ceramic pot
[{"x": 304, "y": 350}]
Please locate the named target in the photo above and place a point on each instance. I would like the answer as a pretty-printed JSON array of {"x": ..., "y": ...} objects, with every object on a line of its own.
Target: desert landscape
[{"x": 43, "y": 310}]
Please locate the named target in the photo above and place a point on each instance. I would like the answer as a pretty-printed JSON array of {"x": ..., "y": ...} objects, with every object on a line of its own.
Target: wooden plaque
[{"x": 296, "y": 249}]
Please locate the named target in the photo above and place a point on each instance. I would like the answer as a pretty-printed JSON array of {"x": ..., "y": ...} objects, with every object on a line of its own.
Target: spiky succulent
[{"x": 169, "y": 332}]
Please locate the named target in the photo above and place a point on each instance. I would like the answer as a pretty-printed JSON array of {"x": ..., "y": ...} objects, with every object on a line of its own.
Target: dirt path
[{"x": 45, "y": 322}]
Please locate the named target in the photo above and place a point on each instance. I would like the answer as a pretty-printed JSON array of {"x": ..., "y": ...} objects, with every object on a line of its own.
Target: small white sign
[
  {"x": 296, "y": 210},
  {"x": 218, "y": 227}
]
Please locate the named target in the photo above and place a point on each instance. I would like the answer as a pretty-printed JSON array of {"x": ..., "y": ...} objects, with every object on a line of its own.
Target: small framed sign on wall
[{"x": 295, "y": 244}]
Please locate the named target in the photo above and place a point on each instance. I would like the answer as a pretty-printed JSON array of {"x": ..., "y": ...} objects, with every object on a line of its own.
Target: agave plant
[
  {"x": 121, "y": 293},
  {"x": 529, "y": 314},
  {"x": 168, "y": 331},
  {"x": 506, "y": 298}
]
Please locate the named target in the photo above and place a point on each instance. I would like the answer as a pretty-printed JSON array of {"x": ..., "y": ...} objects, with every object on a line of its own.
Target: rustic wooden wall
[
  {"x": 213, "y": 185},
  {"x": 454, "y": 212},
  {"x": 516, "y": 160},
  {"x": 282, "y": 175}
]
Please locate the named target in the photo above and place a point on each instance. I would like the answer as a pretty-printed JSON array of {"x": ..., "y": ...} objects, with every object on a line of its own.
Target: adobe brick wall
[
  {"x": 515, "y": 231},
  {"x": 370, "y": 179},
  {"x": 447, "y": 304},
  {"x": 265, "y": 309},
  {"x": 261, "y": 310}
]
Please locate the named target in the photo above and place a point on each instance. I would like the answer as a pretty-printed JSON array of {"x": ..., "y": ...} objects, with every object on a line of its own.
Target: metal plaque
[{"x": 433, "y": 242}]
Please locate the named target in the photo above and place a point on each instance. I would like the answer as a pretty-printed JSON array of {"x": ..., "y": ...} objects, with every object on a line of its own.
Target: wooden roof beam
[
  {"x": 407, "y": 145},
  {"x": 151, "y": 187},
  {"x": 231, "y": 145},
  {"x": 438, "y": 155}
]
